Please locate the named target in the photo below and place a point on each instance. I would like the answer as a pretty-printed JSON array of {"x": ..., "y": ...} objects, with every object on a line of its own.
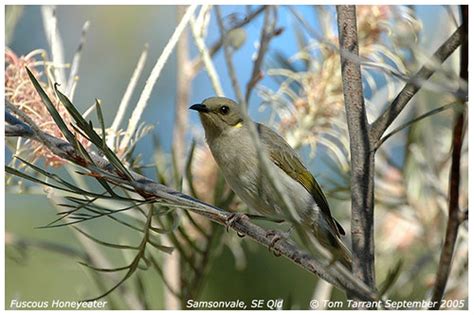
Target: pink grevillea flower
[{"x": 20, "y": 92}]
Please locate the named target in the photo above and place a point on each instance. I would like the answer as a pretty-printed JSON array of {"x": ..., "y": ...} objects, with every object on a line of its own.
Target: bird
[{"x": 229, "y": 138}]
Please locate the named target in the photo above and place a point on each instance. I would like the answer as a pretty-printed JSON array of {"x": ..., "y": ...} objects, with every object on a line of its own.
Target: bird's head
[{"x": 219, "y": 114}]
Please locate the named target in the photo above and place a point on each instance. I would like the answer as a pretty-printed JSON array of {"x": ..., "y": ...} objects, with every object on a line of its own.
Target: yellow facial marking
[{"x": 238, "y": 125}]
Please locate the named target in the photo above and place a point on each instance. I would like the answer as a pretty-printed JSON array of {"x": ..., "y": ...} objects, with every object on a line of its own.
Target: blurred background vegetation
[{"x": 300, "y": 95}]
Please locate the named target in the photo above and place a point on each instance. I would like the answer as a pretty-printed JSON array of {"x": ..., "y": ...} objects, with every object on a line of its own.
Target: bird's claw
[
  {"x": 232, "y": 219},
  {"x": 276, "y": 237}
]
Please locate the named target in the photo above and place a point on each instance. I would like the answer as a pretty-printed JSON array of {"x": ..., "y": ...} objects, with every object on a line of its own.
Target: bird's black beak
[{"x": 200, "y": 108}]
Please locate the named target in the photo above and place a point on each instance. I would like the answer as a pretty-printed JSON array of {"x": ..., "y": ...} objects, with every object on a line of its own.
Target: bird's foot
[
  {"x": 276, "y": 237},
  {"x": 232, "y": 219}
]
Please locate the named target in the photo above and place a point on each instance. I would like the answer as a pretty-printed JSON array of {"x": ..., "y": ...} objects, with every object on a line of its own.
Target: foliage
[{"x": 307, "y": 107}]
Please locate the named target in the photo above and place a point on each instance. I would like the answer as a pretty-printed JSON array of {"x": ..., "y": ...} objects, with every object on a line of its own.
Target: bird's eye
[{"x": 224, "y": 110}]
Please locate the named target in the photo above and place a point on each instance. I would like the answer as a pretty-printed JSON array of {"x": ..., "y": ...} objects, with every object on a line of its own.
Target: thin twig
[
  {"x": 75, "y": 63},
  {"x": 421, "y": 117},
  {"x": 154, "y": 75},
  {"x": 455, "y": 212},
  {"x": 197, "y": 63},
  {"x": 202, "y": 20},
  {"x": 206, "y": 58},
  {"x": 50, "y": 24},
  {"x": 126, "y": 97},
  {"x": 362, "y": 157},
  {"x": 379, "y": 126},
  {"x": 228, "y": 58},
  {"x": 268, "y": 31},
  {"x": 454, "y": 221},
  {"x": 34, "y": 132},
  {"x": 15, "y": 127},
  {"x": 384, "y": 67}
]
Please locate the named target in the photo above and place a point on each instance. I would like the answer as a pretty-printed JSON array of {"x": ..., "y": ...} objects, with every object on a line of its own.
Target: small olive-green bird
[{"x": 231, "y": 144}]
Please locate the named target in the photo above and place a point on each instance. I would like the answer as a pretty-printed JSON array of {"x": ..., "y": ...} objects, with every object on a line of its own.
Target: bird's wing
[{"x": 284, "y": 156}]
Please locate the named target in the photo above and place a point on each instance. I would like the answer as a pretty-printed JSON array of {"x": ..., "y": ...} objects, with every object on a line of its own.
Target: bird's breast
[{"x": 238, "y": 160}]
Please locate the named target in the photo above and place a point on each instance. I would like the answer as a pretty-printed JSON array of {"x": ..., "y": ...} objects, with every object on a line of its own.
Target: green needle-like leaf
[
  {"x": 105, "y": 243},
  {"x": 51, "y": 109},
  {"x": 92, "y": 135}
]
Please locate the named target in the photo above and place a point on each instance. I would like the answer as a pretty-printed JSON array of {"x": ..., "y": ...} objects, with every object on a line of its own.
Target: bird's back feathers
[{"x": 283, "y": 156}]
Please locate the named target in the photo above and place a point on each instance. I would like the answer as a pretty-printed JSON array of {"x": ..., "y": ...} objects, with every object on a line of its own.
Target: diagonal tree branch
[
  {"x": 362, "y": 156},
  {"x": 151, "y": 190},
  {"x": 379, "y": 126},
  {"x": 455, "y": 213}
]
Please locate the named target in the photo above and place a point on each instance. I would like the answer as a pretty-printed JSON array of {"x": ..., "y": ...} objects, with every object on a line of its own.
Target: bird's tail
[
  {"x": 342, "y": 253},
  {"x": 335, "y": 246}
]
